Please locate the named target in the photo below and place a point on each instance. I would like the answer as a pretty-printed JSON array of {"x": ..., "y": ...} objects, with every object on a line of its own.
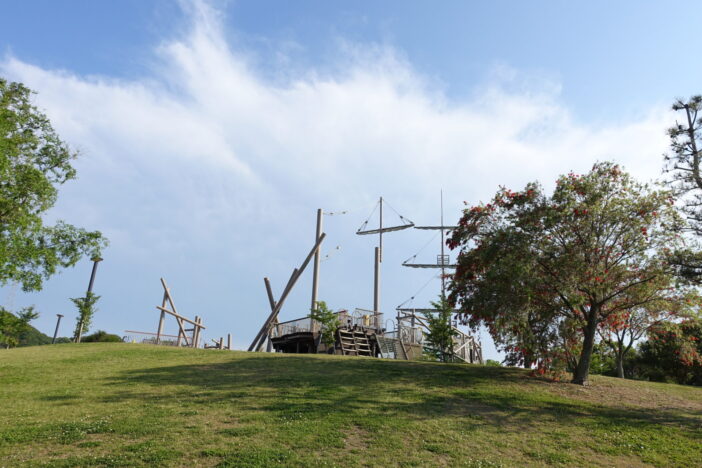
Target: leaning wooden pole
[
  {"x": 288, "y": 286},
  {"x": 271, "y": 302},
  {"x": 263, "y": 334},
  {"x": 161, "y": 320},
  {"x": 264, "y": 330},
  {"x": 175, "y": 313}
]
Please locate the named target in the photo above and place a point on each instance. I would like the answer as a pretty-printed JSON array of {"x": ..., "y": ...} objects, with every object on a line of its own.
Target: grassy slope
[{"x": 138, "y": 405}]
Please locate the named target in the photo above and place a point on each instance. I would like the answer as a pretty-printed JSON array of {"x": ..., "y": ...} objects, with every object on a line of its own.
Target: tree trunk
[
  {"x": 528, "y": 360},
  {"x": 620, "y": 365},
  {"x": 582, "y": 371}
]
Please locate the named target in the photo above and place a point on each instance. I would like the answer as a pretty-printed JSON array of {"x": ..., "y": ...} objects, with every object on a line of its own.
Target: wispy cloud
[{"x": 205, "y": 154}]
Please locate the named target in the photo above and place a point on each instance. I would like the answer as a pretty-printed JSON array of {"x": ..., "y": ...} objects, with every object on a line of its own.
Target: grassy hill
[{"x": 139, "y": 405}]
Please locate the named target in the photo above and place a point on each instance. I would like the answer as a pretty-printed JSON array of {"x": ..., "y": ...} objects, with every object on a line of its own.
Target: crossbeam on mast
[
  {"x": 429, "y": 265},
  {"x": 385, "y": 229}
]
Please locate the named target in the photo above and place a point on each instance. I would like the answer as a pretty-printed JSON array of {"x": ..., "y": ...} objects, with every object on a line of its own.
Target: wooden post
[
  {"x": 58, "y": 322},
  {"x": 229, "y": 341},
  {"x": 271, "y": 302},
  {"x": 266, "y": 332},
  {"x": 96, "y": 260},
  {"x": 199, "y": 331},
  {"x": 221, "y": 342},
  {"x": 315, "y": 274},
  {"x": 260, "y": 337},
  {"x": 181, "y": 333},
  {"x": 288, "y": 287},
  {"x": 380, "y": 234},
  {"x": 161, "y": 320},
  {"x": 195, "y": 329},
  {"x": 376, "y": 284}
]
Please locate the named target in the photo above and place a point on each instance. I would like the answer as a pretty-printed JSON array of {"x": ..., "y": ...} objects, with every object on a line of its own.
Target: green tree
[
  {"x": 328, "y": 320},
  {"x": 86, "y": 310},
  {"x": 440, "y": 331},
  {"x": 673, "y": 352},
  {"x": 621, "y": 330},
  {"x": 685, "y": 180},
  {"x": 542, "y": 273},
  {"x": 34, "y": 162},
  {"x": 13, "y": 327}
]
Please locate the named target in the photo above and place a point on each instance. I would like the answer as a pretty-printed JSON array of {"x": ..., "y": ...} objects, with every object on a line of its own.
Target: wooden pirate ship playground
[
  {"x": 364, "y": 332},
  {"x": 361, "y": 332}
]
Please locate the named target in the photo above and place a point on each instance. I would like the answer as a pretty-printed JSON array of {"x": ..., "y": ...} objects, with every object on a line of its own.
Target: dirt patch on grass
[
  {"x": 473, "y": 411},
  {"x": 624, "y": 394},
  {"x": 355, "y": 438}
]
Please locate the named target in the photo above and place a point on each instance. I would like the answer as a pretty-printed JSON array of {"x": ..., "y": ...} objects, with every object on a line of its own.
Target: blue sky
[{"x": 210, "y": 132}]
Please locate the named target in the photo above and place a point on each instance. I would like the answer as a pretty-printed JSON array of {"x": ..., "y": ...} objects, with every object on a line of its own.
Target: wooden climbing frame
[{"x": 194, "y": 340}]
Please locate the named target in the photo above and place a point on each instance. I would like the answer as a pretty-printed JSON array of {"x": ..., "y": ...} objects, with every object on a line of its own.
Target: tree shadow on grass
[
  {"x": 299, "y": 387},
  {"x": 61, "y": 398}
]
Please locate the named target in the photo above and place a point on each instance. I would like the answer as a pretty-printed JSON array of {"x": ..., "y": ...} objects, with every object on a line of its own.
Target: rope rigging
[
  {"x": 332, "y": 254},
  {"x": 419, "y": 291},
  {"x": 365, "y": 223},
  {"x": 406, "y": 222},
  {"x": 420, "y": 250}
]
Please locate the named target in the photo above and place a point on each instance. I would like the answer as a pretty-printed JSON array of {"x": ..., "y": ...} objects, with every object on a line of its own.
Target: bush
[
  {"x": 673, "y": 353},
  {"x": 328, "y": 321},
  {"x": 101, "y": 336}
]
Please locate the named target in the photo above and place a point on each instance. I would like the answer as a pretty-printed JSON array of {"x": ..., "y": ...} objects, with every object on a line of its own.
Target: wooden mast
[
  {"x": 315, "y": 274},
  {"x": 443, "y": 259},
  {"x": 378, "y": 261},
  {"x": 378, "y": 251}
]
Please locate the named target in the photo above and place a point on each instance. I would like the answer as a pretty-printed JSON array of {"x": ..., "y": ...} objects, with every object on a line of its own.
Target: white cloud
[{"x": 206, "y": 157}]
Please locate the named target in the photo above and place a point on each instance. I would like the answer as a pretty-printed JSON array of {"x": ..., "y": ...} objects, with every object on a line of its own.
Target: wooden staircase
[{"x": 354, "y": 343}]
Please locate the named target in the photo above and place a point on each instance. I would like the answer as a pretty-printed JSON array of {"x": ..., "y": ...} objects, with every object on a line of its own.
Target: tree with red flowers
[
  {"x": 543, "y": 273},
  {"x": 673, "y": 351},
  {"x": 620, "y": 331}
]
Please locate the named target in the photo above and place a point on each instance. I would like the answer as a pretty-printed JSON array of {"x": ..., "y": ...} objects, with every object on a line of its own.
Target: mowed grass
[{"x": 139, "y": 405}]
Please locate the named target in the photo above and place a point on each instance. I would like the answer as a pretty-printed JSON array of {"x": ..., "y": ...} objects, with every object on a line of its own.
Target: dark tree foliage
[
  {"x": 34, "y": 162},
  {"x": 673, "y": 352},
  {"x": 101, "y": 336},
  {"x": 15, "y": 329},
  {"x": 605, "y": 362}
]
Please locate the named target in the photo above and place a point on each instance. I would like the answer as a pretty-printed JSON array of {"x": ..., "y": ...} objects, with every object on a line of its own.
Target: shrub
[{"x": 101, "y": 336}]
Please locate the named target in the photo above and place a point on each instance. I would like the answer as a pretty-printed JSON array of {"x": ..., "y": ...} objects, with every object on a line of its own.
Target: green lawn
[{"x": 139, "y": 405}]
